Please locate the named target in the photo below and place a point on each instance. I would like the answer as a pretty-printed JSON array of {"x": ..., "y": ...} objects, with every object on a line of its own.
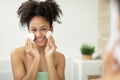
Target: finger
[
  {"x": 33, "y": 45},
  {"x": 51, "y": 39},
  {"x": 53, "y": 45},
  {"x": 30, "y": 44},
  {"x": 26, "y": 45},
  {"x": 51, "y": 42}
]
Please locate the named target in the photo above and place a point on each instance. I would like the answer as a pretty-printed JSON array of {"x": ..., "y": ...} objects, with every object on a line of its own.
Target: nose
[{"x": 38, "y": 34}]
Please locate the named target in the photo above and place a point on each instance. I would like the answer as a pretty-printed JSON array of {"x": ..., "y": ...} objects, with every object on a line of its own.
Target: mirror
[{"x": 80, "y": 24}]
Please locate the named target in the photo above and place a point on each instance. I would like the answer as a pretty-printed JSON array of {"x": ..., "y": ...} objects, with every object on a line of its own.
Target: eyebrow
[
  {"x": 32, "y": 27},
  {"x": 40, "y": 27}
]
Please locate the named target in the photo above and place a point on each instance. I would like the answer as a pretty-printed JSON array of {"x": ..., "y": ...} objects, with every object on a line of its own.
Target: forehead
[{"x": 39, "y": 21}]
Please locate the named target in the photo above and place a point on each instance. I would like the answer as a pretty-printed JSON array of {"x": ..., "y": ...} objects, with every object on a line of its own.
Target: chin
[{"x": 41, "y": 45}]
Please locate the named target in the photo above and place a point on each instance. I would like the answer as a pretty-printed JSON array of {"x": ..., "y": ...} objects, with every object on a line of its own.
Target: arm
[
  {"x": 61, "y": 67},
  {"x": 19, "y": 69},
  {"x": 56, "y": 74}
]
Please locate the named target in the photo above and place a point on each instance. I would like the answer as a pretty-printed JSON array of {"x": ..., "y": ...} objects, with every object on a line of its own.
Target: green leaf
[{"x": 87, "y": 49}]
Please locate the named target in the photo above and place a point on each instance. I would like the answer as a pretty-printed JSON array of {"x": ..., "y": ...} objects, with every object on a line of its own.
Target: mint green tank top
[{"x": 42, "y": 76}]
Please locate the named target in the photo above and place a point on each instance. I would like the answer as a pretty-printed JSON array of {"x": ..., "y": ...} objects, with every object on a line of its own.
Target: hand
[
  {"x": 50, "y": 47},
  {"x": 31, "y": 49},
  {"x": 109, "y": 62}
]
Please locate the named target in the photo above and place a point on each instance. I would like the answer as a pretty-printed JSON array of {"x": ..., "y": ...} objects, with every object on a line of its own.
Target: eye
[
  {"x": 44, "y": 29},
  {"x": 33, "y": 30}
]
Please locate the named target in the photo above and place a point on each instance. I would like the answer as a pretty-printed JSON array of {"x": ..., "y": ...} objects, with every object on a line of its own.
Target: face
[{"x": 39, "y": 27}]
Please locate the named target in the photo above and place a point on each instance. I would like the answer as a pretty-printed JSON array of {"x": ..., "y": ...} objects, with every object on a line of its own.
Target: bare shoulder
[
  {"x": 60, "y": 61},
  {"x": 17, "y": 52},
  {"x": 17, "y": 61},
  {"x": 60, "y": 56}
]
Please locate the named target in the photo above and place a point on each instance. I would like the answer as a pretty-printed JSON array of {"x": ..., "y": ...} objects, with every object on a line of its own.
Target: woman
[
  {"x": 111, "y": 64},
  {"x": 38, "y": 60}
]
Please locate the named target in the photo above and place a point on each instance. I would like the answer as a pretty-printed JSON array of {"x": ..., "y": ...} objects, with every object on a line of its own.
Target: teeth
[{"x": 39, "y": 40}]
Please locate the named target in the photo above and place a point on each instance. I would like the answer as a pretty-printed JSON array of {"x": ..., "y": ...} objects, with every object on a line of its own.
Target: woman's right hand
[
  {"x": 111, "y": 65},
  {"x": 108, "y": 61},
  {"x": 31, "y": 49}
]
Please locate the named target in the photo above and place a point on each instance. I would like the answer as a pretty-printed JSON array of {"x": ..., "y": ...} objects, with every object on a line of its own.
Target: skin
[
  {"x": 39, "y": 55},
  {"x": 109, "y": 60}
]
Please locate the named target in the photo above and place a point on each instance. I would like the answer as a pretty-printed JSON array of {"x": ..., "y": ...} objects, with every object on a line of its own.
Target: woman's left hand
[{"x": 50, "y": 47}]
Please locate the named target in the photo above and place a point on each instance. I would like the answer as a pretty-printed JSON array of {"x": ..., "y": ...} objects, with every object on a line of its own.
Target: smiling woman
[
  {"x": 38, "y": 59},
  {"x": 111, "y": 59},
  {"x": 79, "y": 25}
]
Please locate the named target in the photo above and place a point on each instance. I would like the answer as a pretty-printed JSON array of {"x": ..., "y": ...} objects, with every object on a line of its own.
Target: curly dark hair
[{"x": 48, "y": 9}]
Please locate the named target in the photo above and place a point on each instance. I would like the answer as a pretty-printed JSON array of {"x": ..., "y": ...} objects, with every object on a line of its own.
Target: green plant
[{"x": 87, "y": 49}]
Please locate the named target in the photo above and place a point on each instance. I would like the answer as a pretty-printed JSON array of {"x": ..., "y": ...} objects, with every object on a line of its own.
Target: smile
[{"x": 40, "y": 40}]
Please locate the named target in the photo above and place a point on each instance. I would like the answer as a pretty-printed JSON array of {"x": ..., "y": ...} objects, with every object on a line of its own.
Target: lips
[{"x": 39, "y": 40}]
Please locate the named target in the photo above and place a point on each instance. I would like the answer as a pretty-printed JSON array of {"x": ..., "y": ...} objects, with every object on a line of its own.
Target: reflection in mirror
[
  {"x": 111, "y": 60},
  {"x": 80, "y": 24},
  {"x": 38, "y": 58}
]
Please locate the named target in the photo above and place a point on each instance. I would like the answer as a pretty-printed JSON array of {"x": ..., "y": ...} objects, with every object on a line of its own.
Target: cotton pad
[
  {"x": 31, "y": 36},
  {"x": 48, "y": 34}
]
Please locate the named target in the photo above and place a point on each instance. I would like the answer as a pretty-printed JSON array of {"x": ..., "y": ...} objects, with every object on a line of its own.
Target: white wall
[
  {"x": 114, "y": 18},
  {"x": 79, "y": 24}
]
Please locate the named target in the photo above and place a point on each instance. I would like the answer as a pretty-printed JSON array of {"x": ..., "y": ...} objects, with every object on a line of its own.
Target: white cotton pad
[
  {"x": 31, "y": 36},
  {"x": 48, "y": 34}
]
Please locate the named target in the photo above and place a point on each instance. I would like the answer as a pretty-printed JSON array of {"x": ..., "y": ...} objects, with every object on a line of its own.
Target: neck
[{"x": 41, "y": 50}]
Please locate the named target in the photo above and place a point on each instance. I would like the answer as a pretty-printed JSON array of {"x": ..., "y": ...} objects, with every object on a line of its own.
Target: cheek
[
  {"x": 45, "y": 41},
  {"x": 30, "y": 31},
  {"x": 45, "y": 34}
]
